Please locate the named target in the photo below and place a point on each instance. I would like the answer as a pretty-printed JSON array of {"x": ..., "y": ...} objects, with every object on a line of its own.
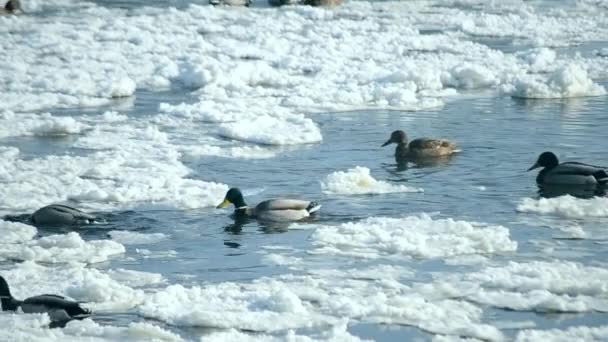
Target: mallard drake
[
  {"x": 419, "y": 148},
  {"x": 58, "y": 308},
  {"x": 269, "y": 210},
  {"x": 11, "y": 7},
  {"x": 569, "y": 173},
  {"x": 58, "y": 214}
]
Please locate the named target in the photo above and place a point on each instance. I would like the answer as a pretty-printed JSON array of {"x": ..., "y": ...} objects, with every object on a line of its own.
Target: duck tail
[{"x": 313, "y": 207}]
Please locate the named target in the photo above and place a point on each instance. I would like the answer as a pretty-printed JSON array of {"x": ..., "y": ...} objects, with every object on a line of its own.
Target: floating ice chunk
[
  {"x": 135, "y": 278},
  {"x": 292, "y": 302},
  {"x": 358, "y": 181},
  {"x": 338, "y": 333},
  {"x": 273, "y": 130},
  {"x": 15, "y": 232},
  {"x": 38, "y": 125},
  {"x": 135, "y": 238},
  {"x": 566, "y": 206},
  {"x": 62, "y": 248},
  {"x": 569, "y": 81},
  {"x": 580, "y": 333},
  {"x": 122, "y": 87},
  {"x": 558, "y": 286},
  {"x": 540, "y": 60},
  {"x": 34, "y": 327},
  {"x": 99, "y": 290},
  {"x": 468, "y": 76},
  {"x": 263, "y": 306},
  {"x": 417, "y": 236}
]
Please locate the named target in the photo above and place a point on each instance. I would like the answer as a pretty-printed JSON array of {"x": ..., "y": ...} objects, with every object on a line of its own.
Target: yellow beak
[{"x": 224, "y": 204}]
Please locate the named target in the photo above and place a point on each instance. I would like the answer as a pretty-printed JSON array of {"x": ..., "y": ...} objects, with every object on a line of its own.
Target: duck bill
[
  {"x": 224, "y": 204},
  {"x": 535, "y": 166},
  {"x": 387, "y": 142}
]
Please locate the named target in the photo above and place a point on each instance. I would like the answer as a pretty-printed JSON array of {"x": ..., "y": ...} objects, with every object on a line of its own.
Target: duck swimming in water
[
  {"x": 569, "y": 173},
  {"x": 245, "y": 3},
  {"x": 58, "y": 308},
  {"x": 270, "y": 210},
  {"x": 58, "y": 214},
  {"x": 419, "y": 148},
  {"x": 11, "y": 7}
]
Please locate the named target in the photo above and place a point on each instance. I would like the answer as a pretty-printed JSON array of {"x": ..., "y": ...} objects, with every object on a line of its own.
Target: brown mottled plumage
[{"x": 419, "y": 148}]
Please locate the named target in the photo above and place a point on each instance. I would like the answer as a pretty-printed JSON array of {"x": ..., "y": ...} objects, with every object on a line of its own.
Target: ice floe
[
  {"x": 557, "y": 286},
  {"x": 60, "y": 248},
  {"x": 113, "y": 291},
  {"x": 358, "y": 181},
  {"x": 415, "y": 236},
  {"x": 290, "y": 302},
  {"x": 135, "y": 238},
  {"x": 34, "y": 327},
  {"x": 566, "y": 206},
  {"x": 579, "y": 333},
  {"x": 569, "y": 81}
]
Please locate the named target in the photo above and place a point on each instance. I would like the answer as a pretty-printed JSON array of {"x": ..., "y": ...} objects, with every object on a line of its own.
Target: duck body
[
  {"x": 419, "y": 148},
  {"x": 245, "y": 3},
  {"x": 283, "y": 2},
  {"x": 58, "y": 308},
  {"x": 277, "y": 210},
  {"x": 568, "y": 173},
  {"x": 58, "y": 214}
]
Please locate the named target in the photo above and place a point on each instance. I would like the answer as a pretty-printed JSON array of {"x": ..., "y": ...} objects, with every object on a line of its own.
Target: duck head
[
  {"x": 547, "y": 160},
  {"x": 12, "y": 6},
  {"x": 397, "y": 137},
  {"x": 235, "y": 197}
]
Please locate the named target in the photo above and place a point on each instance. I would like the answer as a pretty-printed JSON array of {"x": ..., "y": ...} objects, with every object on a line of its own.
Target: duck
[
  {"x": 324, "y": 3},
  {"x": 59, "y": 214},
  {"x": 568, "y": 173},
  {"x": 419, "y": 148},
  {"x": 278, "y": 210},
  {"x": 283, "y": 2},
  {"x": 11, "y": 7},
  {"x": 59, "y": 309},
  {"x": 245, "y": 3}
]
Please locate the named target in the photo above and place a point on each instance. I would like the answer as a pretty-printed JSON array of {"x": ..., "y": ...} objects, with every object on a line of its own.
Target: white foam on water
[
  {"x": 566, "y": 206},
  {"x": 357, "y": 181},
  {"x": 415, "y": 236},
  {"x": 134, "y": 238},
  {"x": 580, "y": 333}
]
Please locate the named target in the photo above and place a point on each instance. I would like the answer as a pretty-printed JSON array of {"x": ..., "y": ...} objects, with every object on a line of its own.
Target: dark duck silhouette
[{"x": 57, "y": 307}]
